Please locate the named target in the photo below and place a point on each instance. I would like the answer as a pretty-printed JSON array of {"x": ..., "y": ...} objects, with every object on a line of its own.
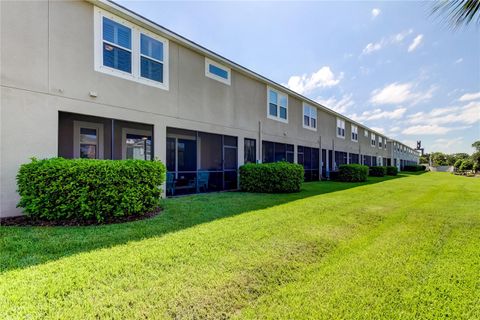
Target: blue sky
[{"x": 389, "y": 65}]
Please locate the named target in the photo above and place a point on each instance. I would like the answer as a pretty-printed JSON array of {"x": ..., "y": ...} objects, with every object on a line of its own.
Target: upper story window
[
  {"x": 151, "y": 58},
  {"x": 372, "y": 140},
  {"x": 117, "y": 45},
  {"x": 380, "y": 141},
  {"x": 128, "y": 51},
  {"x": 277, "y": 105},
  {"x": 340, "y": 128},
  {"x": 309, "y": 117},
  {"x": 365, "y": 133},
  {"x": 217, "y": 71},
  {"x": 354, "y": 133}
]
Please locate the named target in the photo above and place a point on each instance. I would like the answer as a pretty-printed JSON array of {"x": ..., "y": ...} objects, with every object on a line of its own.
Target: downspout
[
  {"x": 260, "y": 155},
  {"x": 321, "y": 158}
]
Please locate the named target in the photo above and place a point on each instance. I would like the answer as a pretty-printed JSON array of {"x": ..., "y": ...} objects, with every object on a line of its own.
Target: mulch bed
[{"x": 24, "y": 221}]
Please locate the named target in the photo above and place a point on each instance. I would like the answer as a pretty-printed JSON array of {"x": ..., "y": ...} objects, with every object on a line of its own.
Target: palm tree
[{"x": 459, "y": 12}]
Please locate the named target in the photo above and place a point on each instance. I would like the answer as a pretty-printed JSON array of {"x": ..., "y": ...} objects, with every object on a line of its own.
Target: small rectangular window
[
  {"x": 88, "y": 143},
  {"x": 380, "y": 141},
  {"x": 354, "y": 133},
  {"x": 373, "y": 141},
  {"x": 217, "y": 71},
  {"x": 277, "y": 105},
  {"x": 250, "y": 151},
  {"x": 340, "y": 128},
  {"x": 309, "y": 117},
  {"x": 365, "y": 133}
]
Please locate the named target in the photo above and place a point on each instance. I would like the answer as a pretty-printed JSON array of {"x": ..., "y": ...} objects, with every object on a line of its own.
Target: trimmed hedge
[
  {"x": 414, "y": 168},
  {"x": 277, "y": 177},
  {"x": 86, "y": 189},
  {"x": 334, "y": 175},
  {"x": 378, "y": 171},
  {"x": 352, "y": 173},
  {"x": 392, "y": 171}
]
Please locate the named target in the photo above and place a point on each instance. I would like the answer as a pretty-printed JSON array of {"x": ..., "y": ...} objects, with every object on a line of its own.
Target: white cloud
[
  {"x": 446, "y": 143},
  {"x": 378, "y": 114},
  {"x": 459, "y": 60},
  {"x": 322, "y": 78},
  {"x": 375, "y": 12},
  {"x": 371, "y": 47},
  {"x": 470, "y": 96},
  {"x": 415, "y": 43},
  {"x": 393, "y": 39},
  {"x": 467, "y": 114},
  {"x": 396, "y": 93},
  {"x": 378, "y": 129},
  {"x": 340, "y": 106},
  {"x": 399, "y": 37},
  {"x": 429, "y": 130},
  {"x": 395, "y": 129}
]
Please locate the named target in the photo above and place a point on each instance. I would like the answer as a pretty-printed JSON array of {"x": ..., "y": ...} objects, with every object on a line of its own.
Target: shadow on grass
[{"x": 21, "y": 247}]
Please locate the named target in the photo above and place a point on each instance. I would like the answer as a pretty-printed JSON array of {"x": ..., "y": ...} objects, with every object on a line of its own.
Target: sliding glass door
[
  {"x": 310, "y": 159},
  {"x": 200, "y": 162}
]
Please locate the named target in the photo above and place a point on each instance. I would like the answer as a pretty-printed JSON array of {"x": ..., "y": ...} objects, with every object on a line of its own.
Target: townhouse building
[{"x": 91, "y": 79}]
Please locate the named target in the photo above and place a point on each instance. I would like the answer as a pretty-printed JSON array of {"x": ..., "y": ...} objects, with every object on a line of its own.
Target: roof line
[{"x": 127, "y": 13}]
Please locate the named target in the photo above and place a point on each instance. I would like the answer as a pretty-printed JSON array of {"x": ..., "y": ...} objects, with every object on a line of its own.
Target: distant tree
[
  {"x": 476, "y": 145},
  {"x": 458, "y": 12},
  {"x": 457, "y": 164},
  {"x": 475, "y": 157},
  {"x": 438, "y": 159},
  {"x": 424, "y": 158},
  {"x": 450, "y": 159},
  {"x": 461, "y": 155}
]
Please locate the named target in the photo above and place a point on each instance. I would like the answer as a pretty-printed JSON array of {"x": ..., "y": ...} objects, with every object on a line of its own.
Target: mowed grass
[{"x": 393, "y": 248}]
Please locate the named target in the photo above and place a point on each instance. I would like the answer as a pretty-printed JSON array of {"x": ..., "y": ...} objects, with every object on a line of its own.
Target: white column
[{"x": 160, "y": 146}]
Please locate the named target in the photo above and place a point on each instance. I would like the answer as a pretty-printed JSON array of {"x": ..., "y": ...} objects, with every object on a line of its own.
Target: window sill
[
  {"x": 309, "y": 128},
  {"x": 131, "y": 77},
  {"x": 277, "y": 119}
]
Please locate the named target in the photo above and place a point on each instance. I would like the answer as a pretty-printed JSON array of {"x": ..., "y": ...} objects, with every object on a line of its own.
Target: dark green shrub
[
  {"x": 414, "y": 168},
  {"x": 378, "y": 171},
  {"x": 392, "y": 171},
  {"x": 467, "y": 164},
  {"x": 85, "y": 189},
  {"x": 352, "y": 173},
  {"x": 334, "y": 175},
  {"x": 278, "y": 177}
]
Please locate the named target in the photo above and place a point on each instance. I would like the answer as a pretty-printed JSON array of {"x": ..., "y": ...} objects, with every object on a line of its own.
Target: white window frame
[
  {"x": 373, "y": 140},
  {"x": 279, "y": 94},
  {"x": 310, "y": 108},
  {"x": 77, "y": 125},
  {"x": 210, "y": 75},
  {"x": 380, "y": 141},
  {"x": 164, "y": 84},
  {"x": 354, "y": 130},
  {"x": 135, "y": 75},
  {"x": 341, "y": 125}
]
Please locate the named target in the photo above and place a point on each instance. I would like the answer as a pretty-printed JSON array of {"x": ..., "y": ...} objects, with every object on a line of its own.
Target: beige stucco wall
[{"x": 47, "y": 66}]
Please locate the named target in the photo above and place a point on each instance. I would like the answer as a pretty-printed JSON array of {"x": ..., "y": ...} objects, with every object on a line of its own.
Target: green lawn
[{"x": 405, "y": 247}]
